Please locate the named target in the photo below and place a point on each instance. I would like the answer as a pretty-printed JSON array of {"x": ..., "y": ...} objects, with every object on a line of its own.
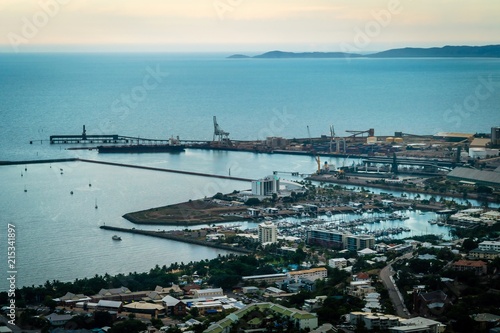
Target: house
[
  {"x": 314, "y": 303},
  {"x": 173, "y": 290},
  {"x": 119, "y": 294},
  {"x": 477, "y": 266},
  {"x": 362, "y": 276},
  {"x": 366, "y": 252},
  {"x": 208, "y": 293},
  {"x": 431, "y": 303},
  {"x": 144, "y": 307},
  {"x": 71, "y": 299},
  {"x": 337, "y": 263},
  {"x": 58, "y": 319},
  {"x": 173, "y": 306},
  {"x": 153, "y": 296},
  {"x": 105, "y": 305},
  {"x": 189, "y": 289}
]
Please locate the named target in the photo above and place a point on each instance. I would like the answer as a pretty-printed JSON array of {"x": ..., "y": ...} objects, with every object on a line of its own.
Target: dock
[{"x": 171, "y": 236}]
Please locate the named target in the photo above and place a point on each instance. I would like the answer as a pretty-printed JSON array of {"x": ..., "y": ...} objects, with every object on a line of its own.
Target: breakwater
[
  {"x": 167, "y": 170},
  {"x": 171, "y": 236},
  {"x": 191, "y": 173},
  {"x": 60, "y": 160}
]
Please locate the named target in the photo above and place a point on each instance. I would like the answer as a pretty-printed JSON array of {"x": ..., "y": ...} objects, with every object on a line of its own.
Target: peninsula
[{"x": 487, "y": 51}]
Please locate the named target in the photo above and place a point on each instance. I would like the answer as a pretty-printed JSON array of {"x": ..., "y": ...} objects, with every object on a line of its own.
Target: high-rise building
[
  {"x": 340, "y": 240},
  {"x": 267, "y": 232},
  {"x": 266, "y": 186},
  {"x": 495, "y": 136}
]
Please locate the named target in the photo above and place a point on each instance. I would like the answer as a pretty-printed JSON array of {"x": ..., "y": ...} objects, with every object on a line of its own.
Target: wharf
[{"x": 171, "y": 236}]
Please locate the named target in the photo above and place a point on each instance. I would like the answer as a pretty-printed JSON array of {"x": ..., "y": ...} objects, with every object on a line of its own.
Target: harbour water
[{"x": 44, "y": 94}]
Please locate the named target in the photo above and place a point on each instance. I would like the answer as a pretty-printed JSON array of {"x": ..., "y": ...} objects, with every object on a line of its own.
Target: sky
[{"x": 360, "y": 26}]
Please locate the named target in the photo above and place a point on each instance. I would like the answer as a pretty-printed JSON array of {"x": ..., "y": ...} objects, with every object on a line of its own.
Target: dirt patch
[{"x": 192, "y": 212}]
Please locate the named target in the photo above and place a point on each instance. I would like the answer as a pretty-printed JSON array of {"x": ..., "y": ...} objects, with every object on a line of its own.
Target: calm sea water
[{"x": 132, "y": 94}]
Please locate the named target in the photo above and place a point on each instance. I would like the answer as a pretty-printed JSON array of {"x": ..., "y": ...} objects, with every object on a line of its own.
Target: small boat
[{"x": 116, "y": 238}]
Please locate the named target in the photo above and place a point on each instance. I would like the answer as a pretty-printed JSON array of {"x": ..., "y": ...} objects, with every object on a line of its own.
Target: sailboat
[{"x": 96, "y": 204}]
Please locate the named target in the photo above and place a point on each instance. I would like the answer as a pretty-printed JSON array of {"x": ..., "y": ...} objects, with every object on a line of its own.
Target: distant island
[{"x": 488, "y": 51}]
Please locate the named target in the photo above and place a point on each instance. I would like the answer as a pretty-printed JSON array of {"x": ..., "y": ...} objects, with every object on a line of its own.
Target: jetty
[{"x": 171, "y": 235}]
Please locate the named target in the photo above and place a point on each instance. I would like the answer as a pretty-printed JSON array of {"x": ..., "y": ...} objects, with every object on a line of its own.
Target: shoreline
[{"x": 361, "y": 182}]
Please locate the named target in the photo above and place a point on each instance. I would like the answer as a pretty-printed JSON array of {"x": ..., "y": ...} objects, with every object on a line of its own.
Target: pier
[
  {"x": 84, "y": 138},
  {"x": 171, "y": 236}
]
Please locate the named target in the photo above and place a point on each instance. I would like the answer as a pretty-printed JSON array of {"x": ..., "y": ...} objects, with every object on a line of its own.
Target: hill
[{"x": 488, "y": 51}]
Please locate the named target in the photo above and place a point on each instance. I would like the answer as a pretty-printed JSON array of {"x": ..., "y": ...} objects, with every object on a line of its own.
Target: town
[{"x": 328, "y": 253}]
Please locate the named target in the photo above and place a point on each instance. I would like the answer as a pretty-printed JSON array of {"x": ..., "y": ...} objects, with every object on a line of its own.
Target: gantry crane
[{"x": 219, "y": 132}]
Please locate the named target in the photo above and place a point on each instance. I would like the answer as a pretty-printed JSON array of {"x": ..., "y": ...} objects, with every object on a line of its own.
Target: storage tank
[
  {"x": 398, "y": 140},
  {"x": 389, "y": 139},
  {"x": 371, "y": 140}
]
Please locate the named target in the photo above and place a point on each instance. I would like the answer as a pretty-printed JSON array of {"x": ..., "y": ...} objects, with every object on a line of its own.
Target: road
[{"x": 396, "y": 298}]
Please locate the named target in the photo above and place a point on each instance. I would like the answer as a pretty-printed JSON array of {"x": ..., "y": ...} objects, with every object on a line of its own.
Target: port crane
[
  {"x": 332, "y": 137},
  {"x": 219, "y": 132}
]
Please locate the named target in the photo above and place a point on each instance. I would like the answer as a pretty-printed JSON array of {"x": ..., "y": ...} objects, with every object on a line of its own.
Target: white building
[
  {"x": 267, "y": 232},
  {"x": 208, "y": 293},
  {"x": 490, "y": 245},
  {"x": 311, "y": 274},
  {"x": 266, "y": 186},
  {"x": 337, "y": 263}
]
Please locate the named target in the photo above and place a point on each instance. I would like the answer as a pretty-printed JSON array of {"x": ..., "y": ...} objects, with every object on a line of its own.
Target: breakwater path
[
  {"x": 192, "y": 173},
  {"x": 167, "y": 170},
  {"x": 176, "y": 237}
]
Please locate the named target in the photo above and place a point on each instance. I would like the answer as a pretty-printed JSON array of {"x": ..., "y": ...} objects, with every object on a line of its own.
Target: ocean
[{"x": 163, "y": 95}]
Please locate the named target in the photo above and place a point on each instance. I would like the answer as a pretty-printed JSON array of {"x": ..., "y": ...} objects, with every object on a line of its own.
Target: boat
[
  {"x": 173, "y": 146},
  {"x": 116, "y": 238}
]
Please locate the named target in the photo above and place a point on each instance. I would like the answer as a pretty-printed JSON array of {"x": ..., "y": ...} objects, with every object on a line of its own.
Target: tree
[
  {"x": 252, "y": 202},
  {"x": 195, "y": 312},
  {"x": 469, "y": 244},
  {"x": 103, "y": 318},
  {"x": 128, "y": 326}
]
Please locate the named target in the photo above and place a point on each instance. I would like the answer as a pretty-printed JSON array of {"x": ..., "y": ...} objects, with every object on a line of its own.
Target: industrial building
[{"x": 477, "y": 177}]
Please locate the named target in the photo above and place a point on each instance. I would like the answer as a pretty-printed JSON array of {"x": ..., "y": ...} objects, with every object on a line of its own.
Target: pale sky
[{"x": 244, "y": 25}]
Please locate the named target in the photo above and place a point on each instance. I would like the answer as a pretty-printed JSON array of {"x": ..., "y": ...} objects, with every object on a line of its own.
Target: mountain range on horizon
[{"x": 487, "y": 51}]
